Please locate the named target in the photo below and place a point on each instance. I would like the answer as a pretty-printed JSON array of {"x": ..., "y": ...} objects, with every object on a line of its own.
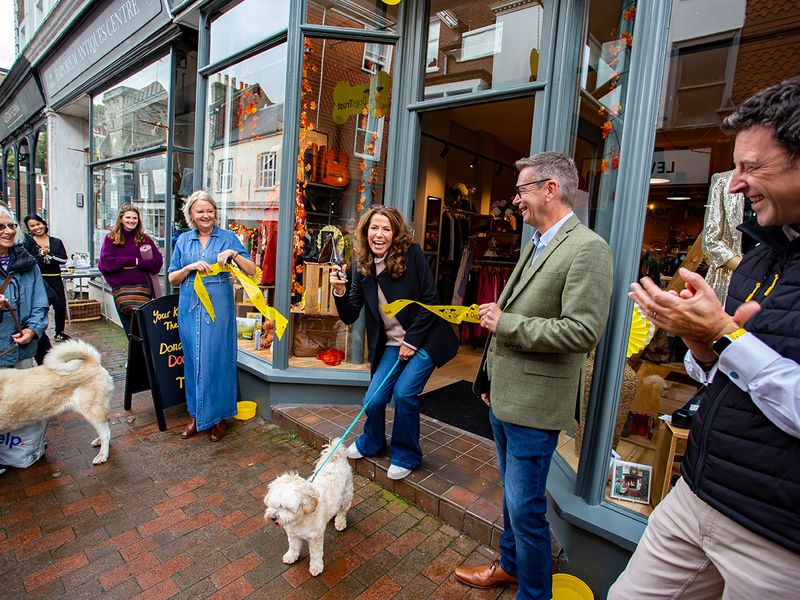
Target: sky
[{"x": 6, "y": 33}]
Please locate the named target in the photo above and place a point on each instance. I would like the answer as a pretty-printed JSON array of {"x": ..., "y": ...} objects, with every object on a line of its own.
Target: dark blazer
[{"x": 423, "y": 329}]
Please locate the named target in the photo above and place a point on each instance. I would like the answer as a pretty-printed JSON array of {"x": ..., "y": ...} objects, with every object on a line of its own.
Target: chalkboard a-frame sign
[{"x": 155, "y": 346}]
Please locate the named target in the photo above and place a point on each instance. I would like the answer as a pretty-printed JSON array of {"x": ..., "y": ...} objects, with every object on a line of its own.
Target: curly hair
[
  {"x": 398, "y": 251},
  {"x": 116, "y": 232},
  {"x": 777, "y": 107}
]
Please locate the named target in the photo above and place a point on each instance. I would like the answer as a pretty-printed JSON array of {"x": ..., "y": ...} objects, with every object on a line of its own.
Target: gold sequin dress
[{"x": 721, "y": 241}]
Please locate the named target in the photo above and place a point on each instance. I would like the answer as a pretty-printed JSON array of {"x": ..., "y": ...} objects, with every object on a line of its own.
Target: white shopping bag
[{"x": 23, "y": 447}]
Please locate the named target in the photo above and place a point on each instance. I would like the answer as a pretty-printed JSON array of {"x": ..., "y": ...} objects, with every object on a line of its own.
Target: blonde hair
[{"x": 190, "y": 202}]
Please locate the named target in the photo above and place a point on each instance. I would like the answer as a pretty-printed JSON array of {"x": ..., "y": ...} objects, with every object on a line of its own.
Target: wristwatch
[{"x": 726, "y": 340}]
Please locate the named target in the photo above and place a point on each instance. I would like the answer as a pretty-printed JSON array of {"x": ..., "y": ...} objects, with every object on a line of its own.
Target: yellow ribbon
[
  {"x": 452, "y": 313},
  {"x": 250, "y": 288}
]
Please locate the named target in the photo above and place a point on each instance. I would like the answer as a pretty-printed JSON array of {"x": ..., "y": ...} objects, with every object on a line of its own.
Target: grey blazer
[{"x": 554, "y": 313}]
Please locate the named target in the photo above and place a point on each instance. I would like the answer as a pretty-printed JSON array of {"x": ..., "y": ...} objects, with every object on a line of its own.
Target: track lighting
[
  {"x": 444, "y": 151},
  {"x": 499, "y": 171},
  {"x": 475, "y": 161}
]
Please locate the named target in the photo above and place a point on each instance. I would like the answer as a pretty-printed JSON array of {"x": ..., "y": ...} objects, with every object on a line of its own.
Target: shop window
[
  {"x": 603, "y": 85},
  {"x": 41, "y": 184},
  {"x": 481, "y": 45},
  {"x": 709, "y": 70},
  {"x": 132, "y": 115},
  {"x": 335, "y": 185},
  {"x": 243, "y": 24},
  {"x": 224, "y": 174},
  {"x": 355, "y": 14},
  {"x": 142, "y": 182},
  {"x": 267, "y": 170},
  {"x": 244, "y": 135}
]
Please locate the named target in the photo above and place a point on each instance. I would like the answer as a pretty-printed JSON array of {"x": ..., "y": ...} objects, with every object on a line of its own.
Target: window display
[
  {"x": 243, "y": 148},
  {"x": 340, "y": 172},
  {"x": 690, "y": 217}
]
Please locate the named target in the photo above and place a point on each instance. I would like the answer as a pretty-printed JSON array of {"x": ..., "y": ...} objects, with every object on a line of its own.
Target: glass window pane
[
  {"x": 42, "y": 189},
  {"x": 185, "y": 98},
  {"x": 346, "y": 91},
  {"x": 603, "y": 79},
  {"x": 476, "y": 45},
  {"x": 246, "y": 23},
  {"x": 142, "y": 182},
  {"x": 22, "y": 158},
  {"x": 243, "y": 149},
  {"x": 11, "y": 179},
  {"x": 356, "y": 14},
  {"x": 132, "y": 115}
]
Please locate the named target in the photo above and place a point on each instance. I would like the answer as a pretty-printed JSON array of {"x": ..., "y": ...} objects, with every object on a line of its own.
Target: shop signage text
[
  {"x": 681, "y": 166},
  {"x": 107, "y": 30},
  {"x": 350, "y": 100},
  {"x": 24, "y": 105}
]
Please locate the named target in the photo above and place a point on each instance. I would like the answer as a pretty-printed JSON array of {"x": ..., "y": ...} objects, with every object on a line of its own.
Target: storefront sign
[
  {"x": 24, "y": 105},
  {"x": 154, "y": 346},
  {"x": 349, "y": 99},
  {"x": 95, "y": 40},
  {"x": 681, "y": 166}
]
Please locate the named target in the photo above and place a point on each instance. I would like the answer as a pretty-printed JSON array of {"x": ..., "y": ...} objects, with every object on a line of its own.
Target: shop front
[{"x": 297, "y": 116}]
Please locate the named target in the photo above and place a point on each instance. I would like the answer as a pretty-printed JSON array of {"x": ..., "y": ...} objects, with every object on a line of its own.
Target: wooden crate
[
  {"x": 319, "y": 293},
  {"x": 84, "y": 310}
]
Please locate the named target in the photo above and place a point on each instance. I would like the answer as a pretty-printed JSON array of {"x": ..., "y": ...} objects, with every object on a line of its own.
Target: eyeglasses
[
  {"x": 11, "y": 226},
  {"x": 523, "y": 185}
]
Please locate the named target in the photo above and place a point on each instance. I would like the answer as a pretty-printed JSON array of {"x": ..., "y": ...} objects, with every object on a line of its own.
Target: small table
[
  {"x": 80, "y": 275},
  {"x": 667, "y": 440}
]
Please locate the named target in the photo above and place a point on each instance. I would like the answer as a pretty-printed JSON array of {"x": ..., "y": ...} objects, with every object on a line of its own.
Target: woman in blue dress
[{"x": 209, "y": 347}]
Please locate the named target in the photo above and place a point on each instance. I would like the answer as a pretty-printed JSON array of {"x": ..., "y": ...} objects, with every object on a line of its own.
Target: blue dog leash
[{"x": 422, "y": 353}]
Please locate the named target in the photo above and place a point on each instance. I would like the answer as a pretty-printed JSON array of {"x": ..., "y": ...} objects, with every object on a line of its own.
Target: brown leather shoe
[
  {"x": 218, "y": 431},
  {"x": 485, "y": 576},
  {"x": 190, "y": 430}
]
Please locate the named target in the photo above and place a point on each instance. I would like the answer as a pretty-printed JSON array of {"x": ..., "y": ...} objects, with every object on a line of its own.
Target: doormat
[{"x": 457, "y": 405}]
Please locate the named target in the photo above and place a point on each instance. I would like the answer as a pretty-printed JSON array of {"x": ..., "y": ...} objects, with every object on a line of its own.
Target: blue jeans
[
  {"x": 523, "y": 458},
  {"x": 405, "y": 383}
]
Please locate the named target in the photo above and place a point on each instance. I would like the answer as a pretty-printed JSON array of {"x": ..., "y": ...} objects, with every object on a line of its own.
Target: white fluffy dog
[
  {"x": 71, "y": 379},
  {"x": 303, "y": 508}
]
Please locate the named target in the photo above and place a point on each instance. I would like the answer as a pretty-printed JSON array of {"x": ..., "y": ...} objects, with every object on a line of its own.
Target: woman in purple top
[{"x": 128, "y": 256}]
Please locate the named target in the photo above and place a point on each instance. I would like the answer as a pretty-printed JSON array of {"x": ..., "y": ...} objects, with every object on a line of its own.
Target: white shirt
[{"x": 772, "y": 380}]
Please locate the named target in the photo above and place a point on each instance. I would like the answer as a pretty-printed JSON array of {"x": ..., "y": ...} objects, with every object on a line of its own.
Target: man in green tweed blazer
[{"x": 549, "y": 316}]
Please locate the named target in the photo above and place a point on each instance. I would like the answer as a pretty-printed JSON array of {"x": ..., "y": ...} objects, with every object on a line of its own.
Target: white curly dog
[{"x": 303, "y": 508}]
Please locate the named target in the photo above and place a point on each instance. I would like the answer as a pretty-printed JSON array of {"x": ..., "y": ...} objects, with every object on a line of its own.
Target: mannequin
[{"x": 721, "y": 241}]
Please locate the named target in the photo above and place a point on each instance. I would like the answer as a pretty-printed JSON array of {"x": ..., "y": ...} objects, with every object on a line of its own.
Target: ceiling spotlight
[
  {"x": 679, "y": 196},
  {"x": 499, "y": 171},
  {"x": 475, "y": 161},
  {"x": 444, "y": 151},
  {"x": 658, "y": 180}
]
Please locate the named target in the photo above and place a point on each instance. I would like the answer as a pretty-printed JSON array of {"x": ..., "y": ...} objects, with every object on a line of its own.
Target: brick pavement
[{"x": 172, "y": 518}]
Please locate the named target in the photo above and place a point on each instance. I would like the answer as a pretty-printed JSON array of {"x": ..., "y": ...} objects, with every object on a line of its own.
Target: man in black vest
[{"x": 731, "y": 525}]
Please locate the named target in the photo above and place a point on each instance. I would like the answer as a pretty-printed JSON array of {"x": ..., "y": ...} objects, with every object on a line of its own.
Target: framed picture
[{"x": 631, "y": 481}]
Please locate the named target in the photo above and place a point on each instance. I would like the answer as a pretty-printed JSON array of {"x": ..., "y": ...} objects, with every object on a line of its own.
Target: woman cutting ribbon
[
  {"x": 209, "y": 345},
  {"x": 404, "y": 349}
]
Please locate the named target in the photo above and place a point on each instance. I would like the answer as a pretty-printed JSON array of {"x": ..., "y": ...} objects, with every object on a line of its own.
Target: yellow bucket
[
  {"x": 569, "y": 587},
  {"x": 246, "y": 410}
]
